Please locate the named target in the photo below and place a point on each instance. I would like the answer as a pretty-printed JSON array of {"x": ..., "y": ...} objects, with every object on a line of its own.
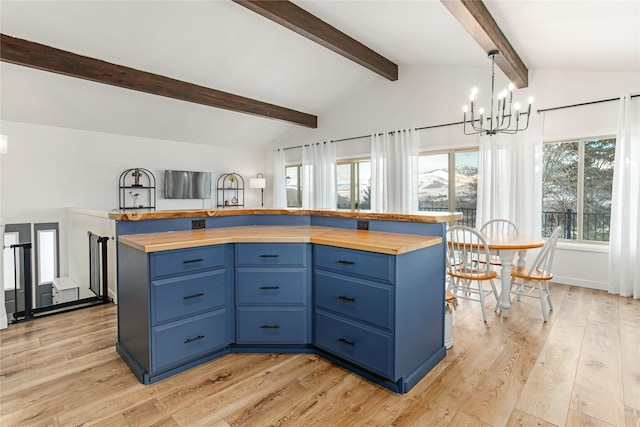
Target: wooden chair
[
  {"x": 534, "y": 281},
  {"x": 464, "y": 245},
  {"x": 498, "y": 226}
]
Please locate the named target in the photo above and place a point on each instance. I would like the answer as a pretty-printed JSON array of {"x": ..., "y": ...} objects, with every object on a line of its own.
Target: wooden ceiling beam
[
  {"x": 34, "y": 55},
  {"x": 476, "y": 19},
  {"x": 302, "y": 22}
]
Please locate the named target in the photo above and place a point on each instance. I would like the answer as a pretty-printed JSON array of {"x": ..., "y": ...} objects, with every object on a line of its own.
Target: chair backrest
[
  {"x": 544, "y": 260},
  {"x": 499, "y": 226},
  {"x": 465, "y": 246}
]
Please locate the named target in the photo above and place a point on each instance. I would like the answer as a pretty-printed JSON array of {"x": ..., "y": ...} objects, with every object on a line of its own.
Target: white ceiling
[{"x": 225, "y": 46}]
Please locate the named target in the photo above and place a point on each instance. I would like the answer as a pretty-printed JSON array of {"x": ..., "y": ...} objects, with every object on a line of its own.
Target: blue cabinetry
[
  {"x": 273, "y": 298},
  {"x": 379, "y": 314},
  {"x": 175, "y": 308}
]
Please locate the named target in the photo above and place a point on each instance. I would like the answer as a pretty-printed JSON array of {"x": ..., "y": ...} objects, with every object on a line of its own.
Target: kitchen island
[{"x": 282, "y": 281}]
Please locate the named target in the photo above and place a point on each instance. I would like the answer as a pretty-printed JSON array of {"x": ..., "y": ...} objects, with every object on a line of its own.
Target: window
[
  {"x": 576, "y": 188},
  {"x": 294, "y": 188},
  {"x": 436, "y": 172},
  {"x": 353, "y": 183}
]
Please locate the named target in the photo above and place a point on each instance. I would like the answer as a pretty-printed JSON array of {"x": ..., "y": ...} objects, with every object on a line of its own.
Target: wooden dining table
[{"x": 506, "y": 246}]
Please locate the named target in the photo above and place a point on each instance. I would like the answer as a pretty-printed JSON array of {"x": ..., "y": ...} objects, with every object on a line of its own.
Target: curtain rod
[
  {"x": 459, "y": 123},
  {"x": 583, "y": 103},
  {"x": 367, "y": 136}
]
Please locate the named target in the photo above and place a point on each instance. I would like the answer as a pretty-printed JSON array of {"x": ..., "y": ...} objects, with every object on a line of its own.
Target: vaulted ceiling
[{"x": 227, "y": 47}]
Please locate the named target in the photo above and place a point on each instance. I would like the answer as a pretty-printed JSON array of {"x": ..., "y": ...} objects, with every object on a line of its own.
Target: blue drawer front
[
  {"x": 271, "y": 254},
  {"x": 276, "y": 325},
  {"x": 178, "y": 342},
  {"x": 369, "y": 265},
  {"x": 180, "y": 296},
  {"x": 182, "y": 261},
  {"x": 271, "y": 286},
  {"x": 366, "y": 347},
  {"x": 362, "y": 300}
]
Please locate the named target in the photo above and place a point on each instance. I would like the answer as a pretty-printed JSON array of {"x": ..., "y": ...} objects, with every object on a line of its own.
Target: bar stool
[{"x": 450, "y": 302}]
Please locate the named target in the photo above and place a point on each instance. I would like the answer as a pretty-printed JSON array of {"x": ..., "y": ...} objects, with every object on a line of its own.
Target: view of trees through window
[
  {"x": 576, "y": 188},
  {"x": 294, "y": 191}
]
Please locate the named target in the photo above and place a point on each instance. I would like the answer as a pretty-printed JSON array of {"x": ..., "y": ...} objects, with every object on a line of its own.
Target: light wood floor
[{"x": 582, "y": 368}]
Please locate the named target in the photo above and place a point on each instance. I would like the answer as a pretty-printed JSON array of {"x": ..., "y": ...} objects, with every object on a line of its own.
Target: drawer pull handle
[
  {"x": 193, "y": 296},
  {"x": 276, "y": 326},
  {"x": 269, "y": 256},
  {"x": 345, "y": 341},
  {"x": 191, "y": 261},
  {"x": 346, "y": 299},
  {"x": 270, "y": 287},
  {"x": 341, "y": 261},
  {"x": 190, "y": 340}
]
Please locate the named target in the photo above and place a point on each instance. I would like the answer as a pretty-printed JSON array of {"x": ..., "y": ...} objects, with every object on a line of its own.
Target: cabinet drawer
[
  {"x": 182, "y": 261},
  {"x": 364, "y": 346},
  {"x": 178, "y": 342},
  {"x": 365, "y": 301},
  {"x": 181, "y": 296},
  {"x": 271, "y": 286},
  {"x": 369, "y": 265},
  {"x": 274, "y": 325},
  {"x": 271, "y": 254}
]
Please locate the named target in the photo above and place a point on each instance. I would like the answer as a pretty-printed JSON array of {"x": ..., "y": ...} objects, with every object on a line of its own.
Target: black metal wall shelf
[
  {"x": 230, "y": 190},
  {"x": 140, "y": 184}
]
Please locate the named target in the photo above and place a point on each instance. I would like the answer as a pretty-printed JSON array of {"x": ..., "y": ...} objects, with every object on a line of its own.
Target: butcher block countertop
[
  {"x": 422, "y": 216},
  {"x": 371, "y": 241}
]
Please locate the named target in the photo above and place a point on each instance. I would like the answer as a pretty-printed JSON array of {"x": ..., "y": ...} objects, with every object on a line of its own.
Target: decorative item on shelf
[
  {"x": 499, "y": 126},
  {"x": 259, "y": 182},
  {"x": 230, "y": 190},
  {"x": 140, "y": 184}
]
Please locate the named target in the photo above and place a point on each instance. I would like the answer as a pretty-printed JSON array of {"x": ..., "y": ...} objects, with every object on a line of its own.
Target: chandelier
[{"x": 506, "y": 119}]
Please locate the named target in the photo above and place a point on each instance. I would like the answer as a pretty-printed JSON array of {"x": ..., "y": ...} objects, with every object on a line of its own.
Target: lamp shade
[
  {"x": 4, "y": 144},
  {"x": 257, "y": 183}
]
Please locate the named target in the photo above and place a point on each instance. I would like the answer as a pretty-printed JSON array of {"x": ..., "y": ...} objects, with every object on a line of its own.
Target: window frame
[
  {"x": 580, "y": 186},
  {"x": 298, "y": 167},
  {"x": 451, "y": 162},
  {"x": 354, "y": 179}
]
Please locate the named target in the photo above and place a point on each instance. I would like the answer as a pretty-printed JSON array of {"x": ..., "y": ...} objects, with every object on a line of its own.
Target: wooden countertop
[
  {"x": 423, "y": 216},
  {"x": 372, "y": 241}
]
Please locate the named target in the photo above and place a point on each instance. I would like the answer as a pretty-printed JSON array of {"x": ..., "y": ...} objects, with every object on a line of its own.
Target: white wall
[
  {"x": 48, "y": 169},
  {"x": 430, "y": 95}
]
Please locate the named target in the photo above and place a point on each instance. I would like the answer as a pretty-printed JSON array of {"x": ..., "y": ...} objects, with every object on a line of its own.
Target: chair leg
[
  {"x": 482, "y": 295},
  {"x": 542, "y": 298},
  {"x": 546, "y": 288}
]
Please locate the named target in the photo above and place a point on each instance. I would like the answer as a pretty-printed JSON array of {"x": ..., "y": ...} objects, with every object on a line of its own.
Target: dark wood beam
[
  {"x": 476, "y": 19},
  {"x": 34, "y": 55},
  {"x": 302, "y": 22}
]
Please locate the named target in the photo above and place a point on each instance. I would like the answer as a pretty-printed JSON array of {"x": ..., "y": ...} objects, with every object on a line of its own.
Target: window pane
[
  {"x": 46, "y": 256},
  {"x": 598, "y": 181},
  {"x": 433, "y": 182},
  {"x": 364, "y": 185},
  {"x": 9, "y": 277},
  {"x": 292, "y": 174},
  {"x": 343, "y": 183},
  {"x": 560, "y": 188},
  {"x": 466, "y": 164}
]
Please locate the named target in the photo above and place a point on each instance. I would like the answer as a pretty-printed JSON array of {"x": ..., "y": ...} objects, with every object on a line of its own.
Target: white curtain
[
  {"x": 510, "y": 179},
  {"x": 279, "y": 180},
  {"x": 624, "y": 253},
  {"x": 319, "y": 176},
  {"x": 394, "y": 171}
]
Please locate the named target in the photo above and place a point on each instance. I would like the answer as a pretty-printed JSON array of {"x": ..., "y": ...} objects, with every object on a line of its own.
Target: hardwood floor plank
[
  {"x": 629, "y": 313},
  {"x": 57, "y": 371},
  {"x": 598, "y": 388},
  {"x": 547, "y": 392},
  {"x": 522, "y": 419}
]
